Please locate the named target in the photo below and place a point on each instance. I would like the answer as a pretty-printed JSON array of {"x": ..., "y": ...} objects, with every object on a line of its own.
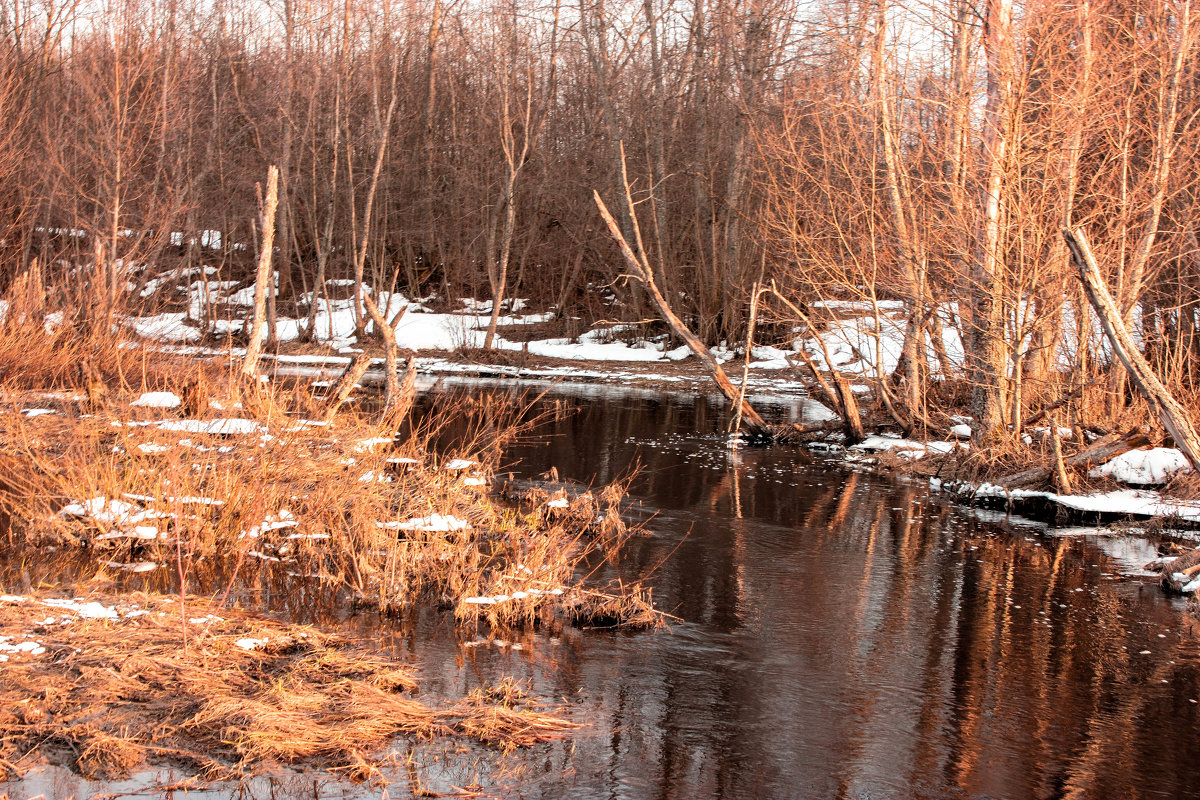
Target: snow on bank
[
  {"x": 1123, "y": 502},
  {"x": 432, "y": 523},
  {"x": 157, "y": 400},
  {"x": 214, "y": 427},
  {"x": 1153, "y": 466}
]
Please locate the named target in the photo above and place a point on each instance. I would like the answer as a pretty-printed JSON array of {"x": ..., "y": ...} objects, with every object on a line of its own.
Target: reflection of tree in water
[{"x": 847, "y": 635}]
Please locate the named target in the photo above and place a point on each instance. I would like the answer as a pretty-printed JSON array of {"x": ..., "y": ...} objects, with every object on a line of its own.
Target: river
[{"x": 843, "y": 635}]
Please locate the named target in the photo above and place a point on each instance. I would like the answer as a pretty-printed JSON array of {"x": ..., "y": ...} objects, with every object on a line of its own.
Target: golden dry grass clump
[
  {"x": 227, "y": 694},
  {"x": 262, "y": 479}
]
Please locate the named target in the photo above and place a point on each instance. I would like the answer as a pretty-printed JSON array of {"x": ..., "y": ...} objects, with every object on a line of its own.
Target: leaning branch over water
[{"x": 751, "y": 420}]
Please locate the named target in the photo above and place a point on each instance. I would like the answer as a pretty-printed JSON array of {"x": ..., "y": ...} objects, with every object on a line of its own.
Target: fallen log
[
  {"x": 1173, "y": 416},
  {"x": 1187, "y": 565},
  {"x": 1103, "y": 450}
]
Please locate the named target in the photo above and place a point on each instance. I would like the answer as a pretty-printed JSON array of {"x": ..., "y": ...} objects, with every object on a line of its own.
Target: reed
[{"x": 261, "y": 481}]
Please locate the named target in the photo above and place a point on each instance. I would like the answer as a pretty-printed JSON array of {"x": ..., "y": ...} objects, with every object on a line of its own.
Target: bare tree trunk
[
  {"x": 254, "y": 348},
  {"x": 387, "y": 331},
  {"x": 1174, "y": 417},
  {"x": 988, "y": 354},
  {"x": 384, "y": 131}
]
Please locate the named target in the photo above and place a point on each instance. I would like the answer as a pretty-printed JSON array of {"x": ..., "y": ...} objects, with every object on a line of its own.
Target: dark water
[
  {"x": 848, "y": 635},
  {"x": 843, "y": 635}
]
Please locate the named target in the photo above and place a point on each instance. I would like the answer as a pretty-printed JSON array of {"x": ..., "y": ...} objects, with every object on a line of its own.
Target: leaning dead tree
[
  {"x": 750, "y": 418},
  {"x": 1173, "y": 415}
]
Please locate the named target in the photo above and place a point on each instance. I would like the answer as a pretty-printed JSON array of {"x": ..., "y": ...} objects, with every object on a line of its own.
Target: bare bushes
[{"x": 238, "y": 693}]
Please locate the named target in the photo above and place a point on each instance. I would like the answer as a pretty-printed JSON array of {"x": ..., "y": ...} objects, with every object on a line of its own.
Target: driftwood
[
  {"x": 805, "y": 429},
  {"x": 345, "y": 385},
  {"x": 642, "y": 271},
  {"x": 1103, "y": 450},
  {"x": 1172, "y": 415}
]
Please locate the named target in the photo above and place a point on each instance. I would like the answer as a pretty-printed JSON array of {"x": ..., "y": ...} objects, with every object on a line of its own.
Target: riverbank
[
  {"x": 858, "y": 340},
  {"x": 183, "y": 495},
  {"x": 112, "y": 681}
]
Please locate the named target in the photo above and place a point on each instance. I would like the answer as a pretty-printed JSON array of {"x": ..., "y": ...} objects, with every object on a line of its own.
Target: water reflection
[
  {"x": 844, "y": 635},
  {"x": 849, "y": 636}
]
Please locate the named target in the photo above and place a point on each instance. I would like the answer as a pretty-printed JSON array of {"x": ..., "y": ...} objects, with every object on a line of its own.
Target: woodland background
[{"x": 922, "y": 152}]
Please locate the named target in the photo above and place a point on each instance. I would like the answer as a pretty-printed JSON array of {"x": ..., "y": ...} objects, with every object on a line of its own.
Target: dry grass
[
  {"x": 116, "y": 693},
  {"x": 389, "y": 519}
]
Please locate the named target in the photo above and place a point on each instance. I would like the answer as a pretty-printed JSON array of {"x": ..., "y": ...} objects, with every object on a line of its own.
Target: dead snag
[
  {"x": 1060, "y": 469},
  {"x": 254, "y": 348},
  {"x": 1103, "y": 450},
  {"x": 397, "y": 408},
  {"x": 387, "y": 331},
  {"x": 751, "y": 420},
  {"x": 97, "y": 389},
  {"x": 1173, "y": 415},
  {"x": 345, "y": 385}
]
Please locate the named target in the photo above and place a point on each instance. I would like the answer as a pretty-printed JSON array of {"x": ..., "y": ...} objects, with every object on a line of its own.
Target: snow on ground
[
  {"x": 215, "y": 427},
  {"x": 157, "y": 400},
  {"x": 434, "y": 522},
  {"x": 1153, "y": 466}
]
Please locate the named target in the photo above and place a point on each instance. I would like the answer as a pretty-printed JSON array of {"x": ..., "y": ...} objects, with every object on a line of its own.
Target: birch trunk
[
  {"x": 254, "y": 348},
  {"x": 988, "y": 356}
]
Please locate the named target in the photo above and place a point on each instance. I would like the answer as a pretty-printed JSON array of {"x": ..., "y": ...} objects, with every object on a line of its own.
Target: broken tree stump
[{"x": 345, "y": 385}]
